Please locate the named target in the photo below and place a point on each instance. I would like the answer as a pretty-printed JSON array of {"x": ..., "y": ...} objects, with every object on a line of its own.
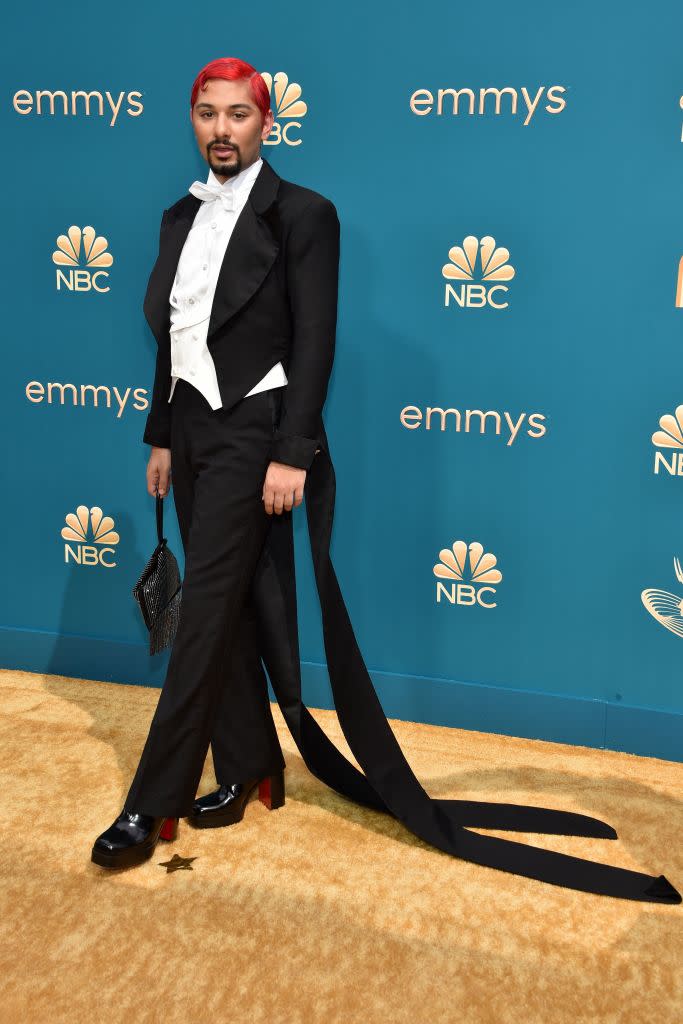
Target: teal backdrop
[{"x": 575, "y": 168}]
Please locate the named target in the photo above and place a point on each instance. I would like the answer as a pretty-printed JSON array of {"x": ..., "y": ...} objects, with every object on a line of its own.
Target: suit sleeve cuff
[
  {"x": 293, "y": 450},
  {"x": 156, "y": 436}
]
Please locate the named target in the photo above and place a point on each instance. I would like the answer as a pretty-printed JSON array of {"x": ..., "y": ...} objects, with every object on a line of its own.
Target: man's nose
[{"x": 222, "y": 127}]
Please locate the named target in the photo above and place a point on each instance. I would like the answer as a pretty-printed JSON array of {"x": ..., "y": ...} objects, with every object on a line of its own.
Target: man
[{"x": 243, "y": 303}]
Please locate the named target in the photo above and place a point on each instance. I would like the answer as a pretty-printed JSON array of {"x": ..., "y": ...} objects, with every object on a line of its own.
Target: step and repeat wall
[{"x": 505, "y": 413}]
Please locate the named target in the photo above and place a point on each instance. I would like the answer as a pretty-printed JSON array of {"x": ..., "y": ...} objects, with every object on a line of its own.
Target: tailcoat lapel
[{"x": 250, "y": 254}]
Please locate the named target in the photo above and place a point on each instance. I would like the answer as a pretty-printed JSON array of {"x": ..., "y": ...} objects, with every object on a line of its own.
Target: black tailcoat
[{"x": 276, "y": 299}]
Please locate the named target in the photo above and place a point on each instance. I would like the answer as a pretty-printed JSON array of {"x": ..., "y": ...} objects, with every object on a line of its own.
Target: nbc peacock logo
[
  {"x": 666, "y": 608},
  {"x": 92, "y": 535},
  {"x": 471, "y": 575},
  {"x": 80, "y": 257},
  {"x": 481, "y": 266},
  {"x": 287, "y": 107},
  {"x": 670, "y": 438}
]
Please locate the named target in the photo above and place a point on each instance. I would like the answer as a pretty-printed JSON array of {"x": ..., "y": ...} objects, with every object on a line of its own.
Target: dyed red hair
[{"x": 234, "y": 70}]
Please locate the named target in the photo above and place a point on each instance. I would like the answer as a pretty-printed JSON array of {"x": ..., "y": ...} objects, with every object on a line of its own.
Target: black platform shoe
[
  {"x": 131, "y": 839},
  {"x": 226, "y": 805}
]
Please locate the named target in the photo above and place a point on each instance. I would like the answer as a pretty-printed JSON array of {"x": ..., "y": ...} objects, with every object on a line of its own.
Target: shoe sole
[{"x": 127, "y": 859}]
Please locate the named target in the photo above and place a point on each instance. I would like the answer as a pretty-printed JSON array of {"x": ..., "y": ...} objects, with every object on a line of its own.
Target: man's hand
[
  {"x": 283, "y": 487},
  {"x": 159, "y": 471}
]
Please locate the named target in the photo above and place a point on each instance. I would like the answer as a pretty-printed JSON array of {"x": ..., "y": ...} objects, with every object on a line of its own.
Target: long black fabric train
[{"x": 389, "y": 783}]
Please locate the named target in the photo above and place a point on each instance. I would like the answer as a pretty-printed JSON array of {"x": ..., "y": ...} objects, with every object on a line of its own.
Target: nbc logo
[
  {"x": 679, "y": 285},
  {"x": 666, "y": 608},
  {"x": 101, "y": 534},
  {"x": 479, "y": 259},
  {"x": 470, "y": 571},
  {"x": 670, "y": 436},
  {"x": 288, "y": 107},
  {"x": 82, "y": 253}
]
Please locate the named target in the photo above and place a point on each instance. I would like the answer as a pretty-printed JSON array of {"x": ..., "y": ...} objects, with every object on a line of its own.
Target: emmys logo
[
  {"x": 471, "y": 577},
  {"x": 670, "y": 436},
  {"x": 50, "y": 103},
  {"x": 666, "y": 608},
  {"x": 412, "y": 417},
  {"x": 83, "y": 263},
  {"x": 679, "y": 285},
  {"x": 287, "y": 107},
  {"x": 477, "y": 102},
  {"x": 483, "y": 260},
  {"x": 101, "y": 533}
]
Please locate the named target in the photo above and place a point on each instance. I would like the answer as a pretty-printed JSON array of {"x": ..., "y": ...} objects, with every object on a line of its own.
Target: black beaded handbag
[{"x": 158, "y": 591}]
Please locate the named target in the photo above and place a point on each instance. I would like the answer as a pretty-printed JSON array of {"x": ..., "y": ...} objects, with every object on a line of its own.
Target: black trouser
[{"x": 215, "y": 691}]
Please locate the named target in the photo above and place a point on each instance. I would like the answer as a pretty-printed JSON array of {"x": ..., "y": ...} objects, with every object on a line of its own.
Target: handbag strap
[{"x": 160, "y": 518}]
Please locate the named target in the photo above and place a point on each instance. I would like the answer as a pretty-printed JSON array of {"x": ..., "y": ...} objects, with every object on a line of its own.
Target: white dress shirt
[{"x": 194, "y": 287}]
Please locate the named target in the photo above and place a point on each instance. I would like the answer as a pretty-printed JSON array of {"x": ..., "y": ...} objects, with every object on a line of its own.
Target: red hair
[{"x": 234, "y": 70}]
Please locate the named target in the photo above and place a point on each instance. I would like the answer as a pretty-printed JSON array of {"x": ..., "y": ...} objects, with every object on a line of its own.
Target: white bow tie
[{"x": 207, "y": 193}]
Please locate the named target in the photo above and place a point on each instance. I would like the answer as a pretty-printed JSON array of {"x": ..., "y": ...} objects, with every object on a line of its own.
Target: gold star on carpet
[{"x": 177, "y": 863}]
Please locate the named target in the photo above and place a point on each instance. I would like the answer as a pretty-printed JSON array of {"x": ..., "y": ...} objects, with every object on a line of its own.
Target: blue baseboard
[
  {"x": 649, "y": 732},
  {"x": 533, "y": 714}
]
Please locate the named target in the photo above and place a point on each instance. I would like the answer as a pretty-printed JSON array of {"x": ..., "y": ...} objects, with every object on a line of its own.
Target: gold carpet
[{"x": 321, "y": 911}]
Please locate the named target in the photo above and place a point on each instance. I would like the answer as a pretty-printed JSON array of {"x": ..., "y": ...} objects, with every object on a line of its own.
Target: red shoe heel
[
  {"x": 271, "y": 791},
  {"x": 169, "y": 829}
]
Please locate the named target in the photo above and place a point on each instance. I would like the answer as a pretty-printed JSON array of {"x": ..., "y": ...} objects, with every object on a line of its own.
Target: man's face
[{"x": 227, "y": 125}]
